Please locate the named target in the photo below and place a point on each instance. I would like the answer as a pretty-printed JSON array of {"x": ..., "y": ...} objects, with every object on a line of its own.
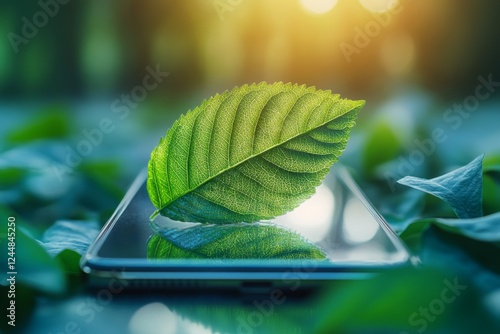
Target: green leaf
[
  {"x": 231, "y": 241},
  {"x": 382, "y": 145},
  {"x": 69, "y": 261},
  {"x": 72, "y": 235},
  {"x": 491, "y": 164},
  {"x": 485, "y": 229},
  {"x": 67, "y": 240},
  {"x": 52, "y": 123},
  {"x": 106, "y": 173},
  {"x": 253, "y": 153},
  {"x": 402, "y": 301},
  {"x": 491, "y": 194},
  {"x": 11, "y": 176},
  {"x": 477, "y": 260},
  {"x": 462, "y": 188},
  {"x": 35, "y": 268},
  {"x": 491, "y": 184}
]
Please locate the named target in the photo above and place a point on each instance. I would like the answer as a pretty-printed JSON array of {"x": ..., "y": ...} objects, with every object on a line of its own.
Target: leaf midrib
[{"x": 156, "y": 212}]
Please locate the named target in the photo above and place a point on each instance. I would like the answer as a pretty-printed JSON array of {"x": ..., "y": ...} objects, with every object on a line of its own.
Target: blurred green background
[
  {"x": 87, "y": 88},
  {"x": 99, "y": 49}
]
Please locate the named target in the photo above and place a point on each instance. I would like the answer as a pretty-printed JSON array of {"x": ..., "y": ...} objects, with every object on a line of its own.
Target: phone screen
[{"x": 337, "y": 219}]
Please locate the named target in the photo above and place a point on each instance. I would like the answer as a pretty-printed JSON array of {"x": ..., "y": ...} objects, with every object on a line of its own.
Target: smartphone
[{"x": 339, "y": 219}]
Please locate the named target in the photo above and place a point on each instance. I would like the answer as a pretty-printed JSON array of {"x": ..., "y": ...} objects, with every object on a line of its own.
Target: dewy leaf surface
[
  {"x": 231, "y": 241},
  {"x": 249, "y": 154},
  {"x": 462, "y": 188}
]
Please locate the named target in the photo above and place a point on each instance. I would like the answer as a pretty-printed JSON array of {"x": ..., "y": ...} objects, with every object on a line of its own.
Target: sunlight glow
[
  {"x": 379, "y": 6},
  {"x": 398, "y": 54},
  {"x": 318, "y": 6},
  {"x": 312, "y": 218}
]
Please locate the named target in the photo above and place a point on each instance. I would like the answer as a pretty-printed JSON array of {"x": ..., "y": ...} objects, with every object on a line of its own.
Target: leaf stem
[{"x": 154, "y": 215}]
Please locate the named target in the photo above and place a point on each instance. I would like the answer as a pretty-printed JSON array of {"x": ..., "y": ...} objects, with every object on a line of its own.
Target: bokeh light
[
  {"x": 379, "y": 6},
  {"x": 318, "y": 6},
  {"x": 359, "y": 225},
  {"x": 397, "y": 54},
  {"x": 159, "y": 319},
  {"x": 312, "y": 218}
]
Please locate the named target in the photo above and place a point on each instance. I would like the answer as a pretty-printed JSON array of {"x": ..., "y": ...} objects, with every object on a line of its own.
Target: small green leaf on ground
[
  {"x": 68, "y": 240},
  {"x": 250, "y": 154},
  {"x": 462, "y": 188},
  {"x": 485, "y": 229},
  {"x": 232, "y": 241},
  {"x": 74, "y": 235}
]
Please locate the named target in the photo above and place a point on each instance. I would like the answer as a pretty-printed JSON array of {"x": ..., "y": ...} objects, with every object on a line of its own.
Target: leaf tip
[{"x": 404, "y": 180}]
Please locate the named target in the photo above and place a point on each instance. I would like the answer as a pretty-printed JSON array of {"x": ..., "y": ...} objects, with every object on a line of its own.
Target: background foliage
[{"x": 419, "y": 74}]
